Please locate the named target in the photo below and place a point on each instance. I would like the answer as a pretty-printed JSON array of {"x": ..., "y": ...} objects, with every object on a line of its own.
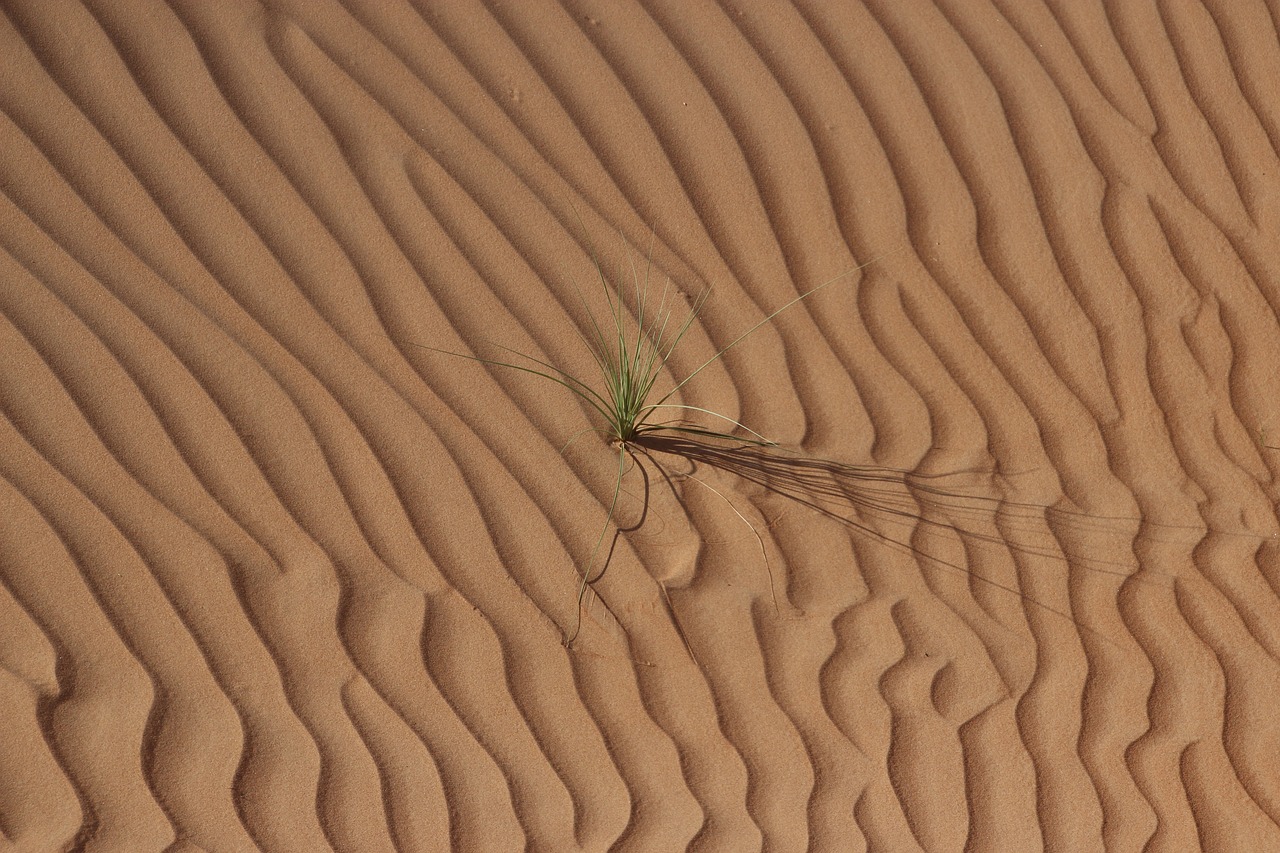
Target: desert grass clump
[{"x": 626, "y": 396}]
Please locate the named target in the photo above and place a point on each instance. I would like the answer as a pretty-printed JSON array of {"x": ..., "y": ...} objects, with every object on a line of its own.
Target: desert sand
[{"x": 276, "y": 576}]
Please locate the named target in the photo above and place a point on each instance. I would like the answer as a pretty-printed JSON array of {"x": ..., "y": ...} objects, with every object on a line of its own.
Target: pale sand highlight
[{"x": 273, "y": 578}]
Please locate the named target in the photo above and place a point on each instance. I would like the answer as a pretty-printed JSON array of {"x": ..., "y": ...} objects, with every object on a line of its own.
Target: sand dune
[{"x": 276, "y": 576}]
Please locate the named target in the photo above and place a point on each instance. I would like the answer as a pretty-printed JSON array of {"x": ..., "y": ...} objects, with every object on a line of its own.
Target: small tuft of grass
[{"x": 629, "y": 364}]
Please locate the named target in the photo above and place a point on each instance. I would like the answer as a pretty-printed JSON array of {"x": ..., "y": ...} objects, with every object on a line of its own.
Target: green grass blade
[
  {"x": 577, "y": 386},
  {"x": 725, "y": 418},
  {"x": 749, "y": 331}
]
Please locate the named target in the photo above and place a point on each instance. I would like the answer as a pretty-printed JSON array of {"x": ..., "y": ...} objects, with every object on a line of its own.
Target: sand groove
[{"x": 275, "y": 577}]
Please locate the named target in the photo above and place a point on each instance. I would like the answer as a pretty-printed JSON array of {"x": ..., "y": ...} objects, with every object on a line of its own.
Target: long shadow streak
[{"x": 839, "y": 491}]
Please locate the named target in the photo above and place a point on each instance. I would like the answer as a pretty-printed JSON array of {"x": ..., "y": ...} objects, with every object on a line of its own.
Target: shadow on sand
[{"x": 913, "y": 512}]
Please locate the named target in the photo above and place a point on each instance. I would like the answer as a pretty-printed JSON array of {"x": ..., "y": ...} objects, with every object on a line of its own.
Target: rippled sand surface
[{"x": 276, "y": 576}]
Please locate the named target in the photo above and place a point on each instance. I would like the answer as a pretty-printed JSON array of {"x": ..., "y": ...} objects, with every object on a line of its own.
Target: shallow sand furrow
[
  {"x": 475, "y": 795},
  {"x": 1001, "y": 783},
  {"x": 1187, "y": 460},
  {"x": 1039, "y": 156},
  {"x": 194, "y": 739},
  {"x": 867, "y": 646},
  {"x": 778, "y": 769},
  {"x": 769, "y": 111},
  {"x": 805, "y": 52},
  {"x": 174, "y": 795},
  {"x": 39, "y": 808},
  {"x": 200, "y": 604},
  {"x": 1226, "y": 818},
  {"x": 1205, "y": 46},
  {"x": 332, "y": 748},
  {"x": 93, "y": 723},
  {"x": 413, "y": 797},
  {"x": 989, "y": 302},
  {"x": 1181, "y": 135},
  {"x": 794, "y": 650},
  {"x": 1250, "y": 683}
]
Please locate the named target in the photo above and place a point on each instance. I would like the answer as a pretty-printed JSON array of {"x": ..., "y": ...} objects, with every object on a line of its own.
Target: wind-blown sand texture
[{"x": 276, "y": 578}]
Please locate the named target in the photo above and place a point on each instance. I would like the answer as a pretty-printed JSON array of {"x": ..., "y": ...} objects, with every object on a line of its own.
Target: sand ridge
[{"x": 275, "y": 577}]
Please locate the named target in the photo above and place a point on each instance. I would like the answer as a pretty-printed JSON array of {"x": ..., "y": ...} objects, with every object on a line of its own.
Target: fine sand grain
[{"x": 274, "y": 577}]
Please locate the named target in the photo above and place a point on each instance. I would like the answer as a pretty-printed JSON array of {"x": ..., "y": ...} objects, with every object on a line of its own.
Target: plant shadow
[{"x": 871, "y": 500}]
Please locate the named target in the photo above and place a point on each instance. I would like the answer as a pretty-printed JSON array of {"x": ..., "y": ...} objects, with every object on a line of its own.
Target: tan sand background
[{"x": 274, "y": 578}]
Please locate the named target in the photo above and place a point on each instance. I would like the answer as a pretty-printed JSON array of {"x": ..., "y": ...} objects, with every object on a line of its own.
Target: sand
[{"x": 276, "y": 576}]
